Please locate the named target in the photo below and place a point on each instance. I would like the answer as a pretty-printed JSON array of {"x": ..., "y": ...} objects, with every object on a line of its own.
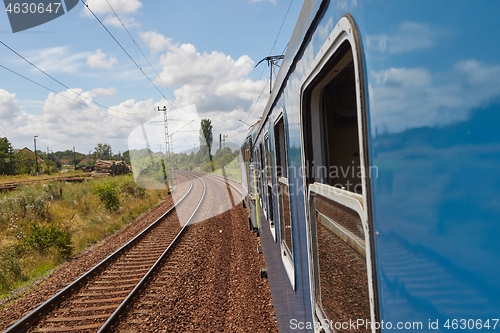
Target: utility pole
[
  {"x": 36, "y": 156},
  {"x": 167, "y": 143},
  {"x": 224, "y": 140}
]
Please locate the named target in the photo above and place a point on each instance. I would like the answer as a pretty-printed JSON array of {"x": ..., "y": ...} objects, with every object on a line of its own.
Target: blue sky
[{"x": 203, "y": 51}]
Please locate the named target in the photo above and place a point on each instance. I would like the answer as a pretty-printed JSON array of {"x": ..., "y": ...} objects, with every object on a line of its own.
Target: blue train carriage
[{"x": 377, "y": 191}]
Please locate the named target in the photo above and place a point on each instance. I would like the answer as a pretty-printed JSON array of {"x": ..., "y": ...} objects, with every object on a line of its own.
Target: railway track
[
  {"x": 186, "y": 294},
  {"x": 96, "y": 300}
]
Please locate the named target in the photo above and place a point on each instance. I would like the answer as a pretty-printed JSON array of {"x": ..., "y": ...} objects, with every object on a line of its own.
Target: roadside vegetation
[{"x": 43, "y": 224}]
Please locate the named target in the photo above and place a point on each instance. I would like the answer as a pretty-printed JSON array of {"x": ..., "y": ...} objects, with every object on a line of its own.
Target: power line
[
  {"x": 257, "y": 101},
  {"x": 58, "y": 93},
  {"x": 272, "y": 48},
  {"x": 150, "y": 65},
  {"x": 133, "y": 40},
  {"x": 59, "y": 82},
  {"x": 130, "y": 57},
  {"x": 281, "y": 27}
]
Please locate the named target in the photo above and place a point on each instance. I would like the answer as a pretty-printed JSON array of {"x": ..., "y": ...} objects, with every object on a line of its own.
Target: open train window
[
  {"x": 335, "y": 154},
  {"x": 334, "y": 133},
  {"x": 283, "y": 194}
]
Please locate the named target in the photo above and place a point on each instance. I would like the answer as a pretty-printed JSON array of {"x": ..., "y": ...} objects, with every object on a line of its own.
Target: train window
[
  {"x": 340, "y": 122},
  {"x": 283, "y": 193},
  {"x": 333, "y": 131},
  {"x": 342, "y": 286},
  {"x": 281, "y": 163}
]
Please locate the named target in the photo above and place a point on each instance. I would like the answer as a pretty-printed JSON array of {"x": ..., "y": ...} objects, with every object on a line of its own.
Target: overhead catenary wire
[
  {"x": 123, "y": 49},
  {"x": 138, "y": 47},
  {"x": 59, "y": 82},
  {"x": 128, "y": 54},
  {"x": 270, "y": 52},
  {"x": 281, "y": 27},
  {"x": 145, "y": 57},
  {"x": 61, "y": 94}
]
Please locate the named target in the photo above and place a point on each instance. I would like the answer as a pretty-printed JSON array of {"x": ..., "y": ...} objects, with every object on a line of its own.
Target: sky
[{"x": 195, "y": 57}]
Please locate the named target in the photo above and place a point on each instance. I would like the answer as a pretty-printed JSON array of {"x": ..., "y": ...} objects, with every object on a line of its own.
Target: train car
[
  {"x": 249, "y": 176},
  {"x": 375, "y": 169}
]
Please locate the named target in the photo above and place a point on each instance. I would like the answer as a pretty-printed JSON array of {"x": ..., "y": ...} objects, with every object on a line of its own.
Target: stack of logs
[{"x": 104, "y": 168}]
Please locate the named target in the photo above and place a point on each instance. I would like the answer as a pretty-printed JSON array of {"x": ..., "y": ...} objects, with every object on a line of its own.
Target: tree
[
  {"x": 103, "y": 151},
  {"x": 25, "y": 161},
  {"x": 206, "y": 136},
  {"x": 126, "y": 156},
  {"x": 6, "y": 160}
]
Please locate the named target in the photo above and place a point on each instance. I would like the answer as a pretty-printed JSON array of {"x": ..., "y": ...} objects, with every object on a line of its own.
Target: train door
[
  {"x": 262, "y": 175},
  {"x": 257, "y": 187},
  {"x": 285, "y": 222},
  {"x": 269, "y": 186},
  {"x": 334, "y": 134}
]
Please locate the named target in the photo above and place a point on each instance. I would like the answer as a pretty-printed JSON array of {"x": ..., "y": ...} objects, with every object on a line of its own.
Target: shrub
[
  {"x": 131, "y": 188},
  {"x": 54, "y": 190},
  {"x": 108, "y": 194},
  {"x": 43, "y": 237},
  {"x": 10, "y": 269}
]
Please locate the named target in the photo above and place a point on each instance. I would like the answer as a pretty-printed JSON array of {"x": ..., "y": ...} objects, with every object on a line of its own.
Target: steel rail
[
  {"x": 223, "y": 179},
  {"x": 114, "y": 318},
  {"x": 34, "y": 316}
]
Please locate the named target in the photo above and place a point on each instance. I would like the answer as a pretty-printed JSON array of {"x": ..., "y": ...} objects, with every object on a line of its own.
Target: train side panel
[
  {"x": 408, "y": 96},
  {"x": 434, "y": 97}
]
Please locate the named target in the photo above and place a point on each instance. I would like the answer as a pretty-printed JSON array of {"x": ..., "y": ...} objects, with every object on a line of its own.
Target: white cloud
[
  {"x": 56, "y": 59},
  {"x": 218, "y": 85},
  {"x": 99, "y": 60},
  {"x": 402, "y": 98},
  {"x": 127, "y": 21},
  {"x": 103, "y": 91},
  {"x": 407, "y": 77},
  {"x": 8, "y": 104},
  {"x": 70, "y": 118},
  {"x": 212, "y": 81},
  {"x": 157, "y": 42},
  {"x": 261, "y": 1},
  {"x": 409, "y": 37},
  {"x": 124, "y": 8},
  {"x": 346, "y": 5},
  {"x": 120, "y": 6}
]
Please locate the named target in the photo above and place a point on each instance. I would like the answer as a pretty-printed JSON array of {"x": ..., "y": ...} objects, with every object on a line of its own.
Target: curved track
[
  {"x": 95, "y": 300},
  {"x": 198, "y": 288}
]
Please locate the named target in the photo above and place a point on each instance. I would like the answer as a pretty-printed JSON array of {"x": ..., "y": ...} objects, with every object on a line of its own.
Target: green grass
[
  {"x": 233, "y": 170},
  {"x": 43, "y": 224}
]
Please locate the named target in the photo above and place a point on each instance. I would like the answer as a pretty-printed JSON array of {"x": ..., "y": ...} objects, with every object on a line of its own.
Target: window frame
[
  {"x": 287, "y": 255},
  {"x": 313, "y": 82}
]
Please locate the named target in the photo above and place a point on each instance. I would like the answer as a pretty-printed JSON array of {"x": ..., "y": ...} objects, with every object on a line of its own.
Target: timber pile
[{"x": 103, "y": 168}]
